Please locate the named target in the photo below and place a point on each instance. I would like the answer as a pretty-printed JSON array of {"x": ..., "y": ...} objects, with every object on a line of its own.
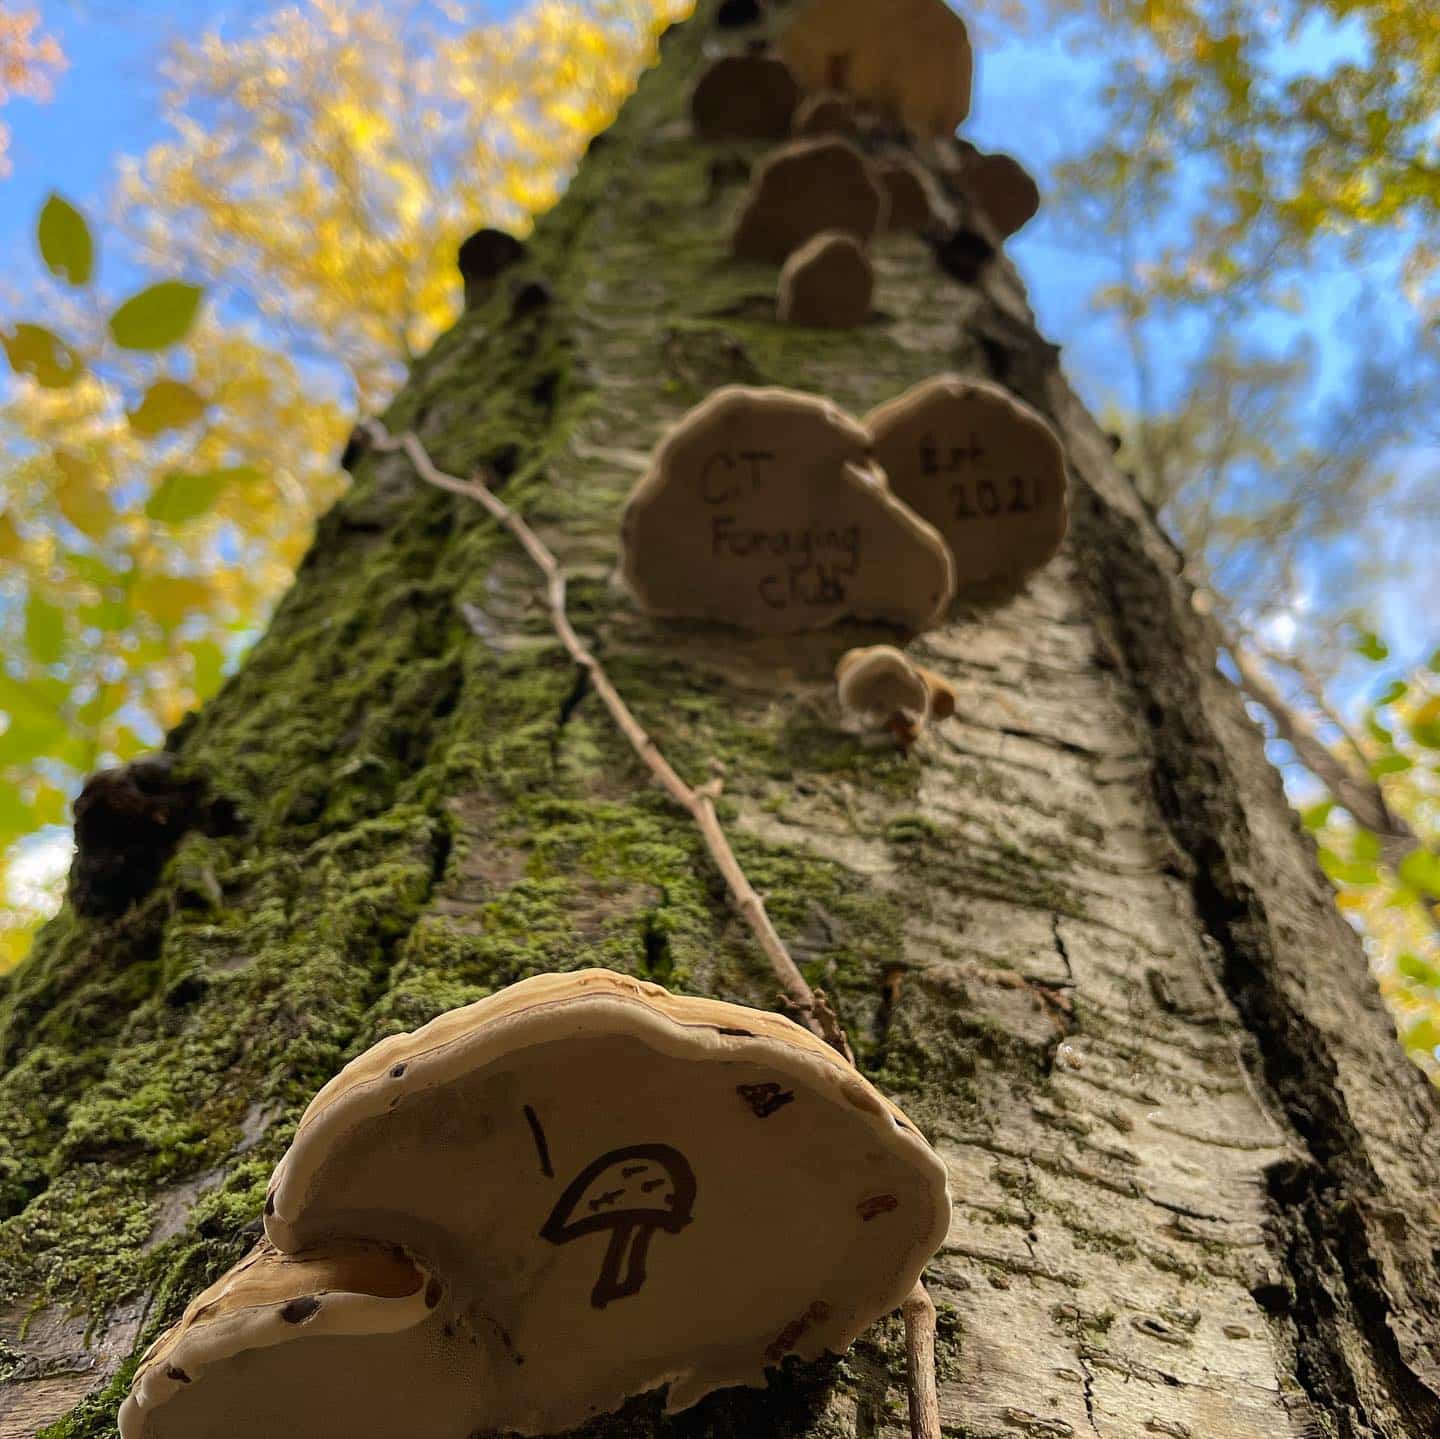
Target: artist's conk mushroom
[
  {"x": 910, "y": 58},
  {"x": 745, "y": 97},
  {"x": 806, "y": 187},
  {"x": 762, "y": 509},
  {"x": 346, "y": 1341},
  {"x": 986, "y": 470},
  {"x": 620, "y": 1188},
  {"x": 828, "y": 282}
]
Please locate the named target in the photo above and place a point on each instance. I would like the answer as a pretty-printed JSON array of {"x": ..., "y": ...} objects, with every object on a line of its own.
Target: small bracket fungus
[
  {"x": 830, "y": 112},
  {"x": 911, "y": 206},
  {"x": 803, "y": 188},
  {"x": 909, "y": 57},
  {"x": 1003, "y": 190},
  {"x": 878, "y": 685},
  {"x": 762, "y": 509},
  {"x": 745, "y": 97},
  {"x": 531, "y": 1146},
  {"x": 828, "y": 282},
  {"x": 304, "y": 1344},
  {"x": 983, "y": 468}
]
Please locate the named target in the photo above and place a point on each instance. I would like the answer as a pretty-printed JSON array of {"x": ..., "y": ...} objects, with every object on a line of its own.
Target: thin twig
[
  {"x": 813, "y": 1006},
  {"x": 700, "y": 804},
  {"x": 919, "y": 1314}
]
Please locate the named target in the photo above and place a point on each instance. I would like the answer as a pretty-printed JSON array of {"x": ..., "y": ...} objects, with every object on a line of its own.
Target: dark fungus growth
[
  {"x": 482, "y": 257},
  {"x": 127, "y": 823},
  {"x": 733, "y": 14},
  {"x": 356, "y": 448},
  {"x": 963, "y": 254},
  {"x": 529, "y": 298}
]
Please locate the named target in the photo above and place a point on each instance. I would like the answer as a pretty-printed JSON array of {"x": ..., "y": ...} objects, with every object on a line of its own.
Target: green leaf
[
  {"x": 65, "y": 243},
  {"x": 1372, "y": 647},
  {"x": 180, "y": 497},
  {"x": 44, "y": 629},
  {"x": 168, "y": 405},
  {"x": 156, "y": 318},
  {"x": 33, "y": 727},
  {"x": 1365, "y": 846},
  {"x": 209, "y": 662},
  {"x": 45, "y": 357},
  {"x": 1415, "y": 969},
  {"x": 1395, "y": 690},
  {"x": 1421, "y": 871},
  {"x": 1344, "y": 871},
  {"x": 1423, "y": 1035},
  {"x": 1424, "y": 724},
  {"x": 1314, "y": 816},
  {"x": 1390, "y": 764}
]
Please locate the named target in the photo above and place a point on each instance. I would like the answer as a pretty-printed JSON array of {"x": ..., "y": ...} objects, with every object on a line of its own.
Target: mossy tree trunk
[{"x": 1077, "y": 933}]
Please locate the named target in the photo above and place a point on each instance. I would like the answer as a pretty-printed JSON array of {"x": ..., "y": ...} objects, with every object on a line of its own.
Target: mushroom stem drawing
[{"x": 810, "y": 1005}]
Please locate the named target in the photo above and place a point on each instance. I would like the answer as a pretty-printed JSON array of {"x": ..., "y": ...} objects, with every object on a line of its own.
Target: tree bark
[{"x": 1076, "y": 932}]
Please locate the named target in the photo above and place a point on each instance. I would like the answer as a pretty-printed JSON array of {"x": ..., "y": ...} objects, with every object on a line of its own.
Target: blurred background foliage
[{"x": 1262, "y": 185}]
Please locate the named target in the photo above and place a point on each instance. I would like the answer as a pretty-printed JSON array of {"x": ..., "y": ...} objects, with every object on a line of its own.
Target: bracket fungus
[
  {"x": 881, "y": 685},
  {"x": 828, "y": 282},
  {"x": 762, "y": 509},
  {"x": 803, "y": 188},
  {"x": 609, "y": 1189},
  {"x": 985, "y": 469},
  {"x": 745, "y": 97},
  {"x": 909, "y": 57},
  {"x": 1002, "y": 189},
  {"x": 302, "y": 1344},
  {"x": 911, "y": 206},
  {"x": 828, "y": 112}
]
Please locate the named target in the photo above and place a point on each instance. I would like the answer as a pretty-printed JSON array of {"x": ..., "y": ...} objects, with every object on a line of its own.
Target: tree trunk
[{"x": 1076, "y": 933}]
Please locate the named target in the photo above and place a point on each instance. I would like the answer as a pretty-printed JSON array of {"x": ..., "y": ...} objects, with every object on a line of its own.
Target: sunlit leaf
[
  {"x": 209, "y": 662},
  {"x": 1424, "y": 724},
  {"x": 1372, "y": 647},
  {"x": 34, "y": 725},
  {"x": 1395, "y": 690},
  {"x": 44, "y": 629},
  {"x": 1390, "y": 764},
  {"x": 42, "y": 355},
  {"x": 80, "y": 497},
  {"x": 169, "y": 599},
  {"x": 65, "y": 242},
  {"x": 1421, "y": 871},
  {"x": 1416, "y": 969},
  {"x": 180, "y": 497},
  {"x": 1314, "y": 816},
  {"x": 168, "y": 405},
  {"x": 157, "y": 317}
]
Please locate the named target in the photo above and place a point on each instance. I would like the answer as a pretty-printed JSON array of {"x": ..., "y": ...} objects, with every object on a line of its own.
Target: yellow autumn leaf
[
  {"x": 167, "y": 405},
  {"x": 80, "y": 497}
]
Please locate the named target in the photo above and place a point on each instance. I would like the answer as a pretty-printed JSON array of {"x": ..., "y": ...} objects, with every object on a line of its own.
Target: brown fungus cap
[
  {"x": 623, "y": 1189},
  {"x": 828, "y": 282},
  {"x": 1003, "y": 190},
  {"x": 345, "y": 1340},
  {"x": 878, "y": 683},
  {"x": 745, "y": 97},
  {"x": 803, "y": 188},
  {"x": 911, "y": 58},
  {"x": 762, "y": 509},
  {"x": 985, "y": 469},
  {"x": 911, "y": 205},
  {"x": 829, "y": 112}
]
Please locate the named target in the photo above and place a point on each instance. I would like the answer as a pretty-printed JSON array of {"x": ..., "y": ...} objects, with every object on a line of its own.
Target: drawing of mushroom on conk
[{"x": 632, "y": 1193}]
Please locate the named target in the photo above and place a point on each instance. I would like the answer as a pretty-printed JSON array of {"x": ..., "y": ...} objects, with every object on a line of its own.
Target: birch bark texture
[{"x": 1076, "y": 933}]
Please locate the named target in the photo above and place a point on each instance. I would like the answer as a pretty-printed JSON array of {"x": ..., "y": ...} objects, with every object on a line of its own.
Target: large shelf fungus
[
  {"x": 763, "y": 509},
  {"x": 909, "y": 58},
  {"x": 803, "y": 188},
  {"x": 985, "y": 469},
  {"x": 609, "y": 1189},
  {"x": 1002, "y": 189}
]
